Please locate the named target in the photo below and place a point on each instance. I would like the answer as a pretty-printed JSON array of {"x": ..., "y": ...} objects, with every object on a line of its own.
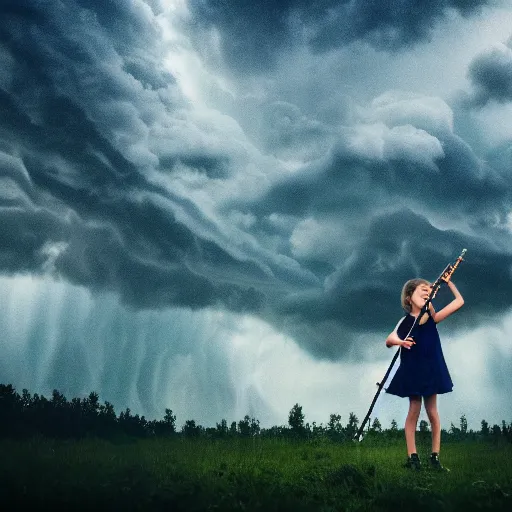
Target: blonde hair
[{"x": 408, "y": 290}]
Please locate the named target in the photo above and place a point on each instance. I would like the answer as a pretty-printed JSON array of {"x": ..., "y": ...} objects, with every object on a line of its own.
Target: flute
[{"x": 445, "y": 276}]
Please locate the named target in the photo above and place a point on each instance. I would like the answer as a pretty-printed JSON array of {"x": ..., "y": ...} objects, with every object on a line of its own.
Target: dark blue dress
[{"x": 422, "y": 369}]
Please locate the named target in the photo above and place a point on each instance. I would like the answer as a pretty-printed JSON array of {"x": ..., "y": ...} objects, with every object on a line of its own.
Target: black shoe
[
  {"x": 413, "y": 462},
  {"x": 436, "y": 465}
]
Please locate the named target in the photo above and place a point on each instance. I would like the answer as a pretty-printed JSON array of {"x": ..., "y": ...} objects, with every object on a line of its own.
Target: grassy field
[{"x": 251, "y": 474}]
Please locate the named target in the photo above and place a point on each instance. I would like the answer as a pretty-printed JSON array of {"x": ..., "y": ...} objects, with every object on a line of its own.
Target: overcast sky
[{"x": 213, "y": 206}]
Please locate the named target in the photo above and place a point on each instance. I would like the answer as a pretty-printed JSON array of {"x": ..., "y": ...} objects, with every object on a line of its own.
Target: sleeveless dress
[{"x": 422, "y": 369}]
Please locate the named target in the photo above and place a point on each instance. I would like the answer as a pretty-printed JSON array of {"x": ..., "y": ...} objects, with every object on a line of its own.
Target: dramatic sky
[{"x": 212, "y": 206}]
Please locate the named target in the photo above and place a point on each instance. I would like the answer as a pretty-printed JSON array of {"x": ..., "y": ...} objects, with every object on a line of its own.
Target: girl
[{"x": 422, "y": 371}]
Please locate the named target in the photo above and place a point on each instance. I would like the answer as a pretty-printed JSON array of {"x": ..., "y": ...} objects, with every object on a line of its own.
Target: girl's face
[{"x": 420, "y": 295}]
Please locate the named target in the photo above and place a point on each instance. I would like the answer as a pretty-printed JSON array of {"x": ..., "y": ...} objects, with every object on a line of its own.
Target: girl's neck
[{"x": 415, "y": 311}]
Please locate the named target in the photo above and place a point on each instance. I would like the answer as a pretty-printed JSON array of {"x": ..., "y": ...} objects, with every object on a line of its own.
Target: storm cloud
[
  {"x": 252, "y": 31},
  {"x": 81, "y": 169},
  {"x": 118, "y": 175}
]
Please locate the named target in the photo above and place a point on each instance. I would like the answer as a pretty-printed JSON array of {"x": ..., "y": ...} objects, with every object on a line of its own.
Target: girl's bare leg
[
  {"x": 435, "y": 423},
  {"x": 411, "y": 422}
]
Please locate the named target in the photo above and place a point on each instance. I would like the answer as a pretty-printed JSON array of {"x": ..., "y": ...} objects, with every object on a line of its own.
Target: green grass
[{"x": 253, "y": 474}]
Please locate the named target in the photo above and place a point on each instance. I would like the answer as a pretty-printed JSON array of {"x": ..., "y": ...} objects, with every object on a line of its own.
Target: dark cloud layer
[
  {"x": 98, "y": 146},
  {"x": 365, "y": 289},
  {"x": 82, "y": 188},
  {"x": 351, "y": 184},
  {"x": 251, "y": 31}
]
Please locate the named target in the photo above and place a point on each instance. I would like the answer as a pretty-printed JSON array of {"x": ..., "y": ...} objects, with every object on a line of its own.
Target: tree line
[{"x": 25, "y": 415}]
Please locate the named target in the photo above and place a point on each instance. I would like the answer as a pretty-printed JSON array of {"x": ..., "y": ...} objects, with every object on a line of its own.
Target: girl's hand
[{"x": 407, "y": 343}]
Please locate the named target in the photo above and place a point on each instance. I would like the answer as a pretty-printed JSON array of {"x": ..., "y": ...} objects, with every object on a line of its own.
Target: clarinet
[{"x": 445, "y": 276}]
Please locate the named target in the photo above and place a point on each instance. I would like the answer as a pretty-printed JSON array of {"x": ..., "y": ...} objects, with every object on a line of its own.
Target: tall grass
[{"x": 251, "y": 474}]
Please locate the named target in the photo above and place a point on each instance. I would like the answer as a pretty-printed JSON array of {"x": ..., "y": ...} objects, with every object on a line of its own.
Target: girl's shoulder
[
  {"x": 404, "y": 325},
  {"x": 400, "y": 322}
]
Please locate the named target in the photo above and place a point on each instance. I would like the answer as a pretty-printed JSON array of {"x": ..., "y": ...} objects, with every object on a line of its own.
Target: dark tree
[
  {"x": 424, "y": 427},
  {"x": 58, "y": 399},
  {"x": 190, "y": 429},
  {"x": 255, "y": 427},
  {"x": 26, "y": 399},
  {"x": 504, "y": 429},
  {"x": 376, "y": 426},
  {"x": 222, "y": 429},
  {"x": 170, "y": 420},
  {"x": 455, "y": 431},
  {"x": 296, "y": 420},
  {"x": 132, "y": 425},
  {"x": 165, "y": 427},
  {"x": 244, "y": 426},
  {"x": 334, "y": 427},
  {"x": 319, "y": 430},
  {"x": 351, "y": 428},
  {"x": 463, "y": 425}
]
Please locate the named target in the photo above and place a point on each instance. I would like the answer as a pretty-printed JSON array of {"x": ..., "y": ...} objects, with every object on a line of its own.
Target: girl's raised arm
[{"x": 454, "y": 305}]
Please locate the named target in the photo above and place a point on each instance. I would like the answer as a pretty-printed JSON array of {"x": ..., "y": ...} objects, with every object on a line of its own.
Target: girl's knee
[
  {"x": 433, "y": 415},
  {"x": 413, "y": 414},
  {"x": 431, "y": 406},
  {"x": 414, "y": 411}
]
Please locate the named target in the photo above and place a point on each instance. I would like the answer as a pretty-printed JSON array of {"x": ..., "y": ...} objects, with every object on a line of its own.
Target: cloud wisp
[{"x": 491, "y": 75}]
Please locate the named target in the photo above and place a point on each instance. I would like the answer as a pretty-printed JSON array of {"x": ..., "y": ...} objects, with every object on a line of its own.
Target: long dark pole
[{"x": 444, "y": 277}]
